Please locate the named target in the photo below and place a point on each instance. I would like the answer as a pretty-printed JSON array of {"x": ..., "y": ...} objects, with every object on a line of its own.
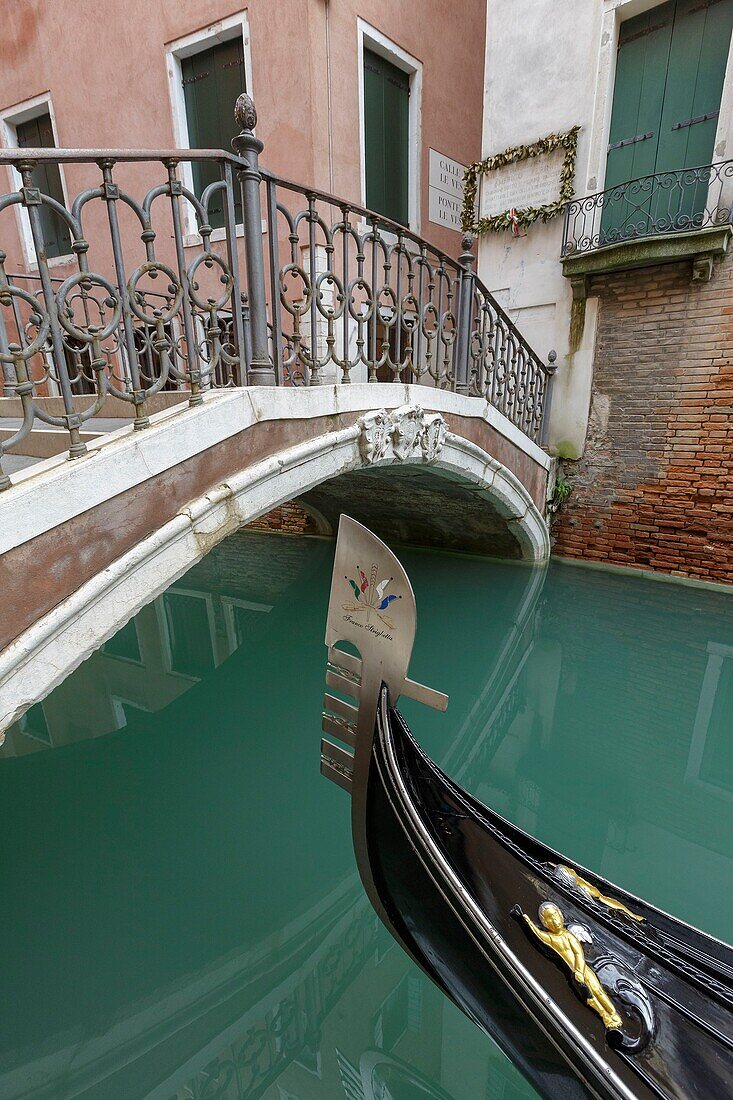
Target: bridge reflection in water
[{"x": 186, "y": 918}]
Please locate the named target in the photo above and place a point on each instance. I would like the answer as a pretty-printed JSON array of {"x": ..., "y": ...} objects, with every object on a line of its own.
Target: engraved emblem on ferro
[{"x": 371, "y": 597}]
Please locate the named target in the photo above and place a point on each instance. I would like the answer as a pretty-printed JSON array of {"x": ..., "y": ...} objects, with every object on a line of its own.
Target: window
[
  {"x": 37, "y": 133},
  {"x": 240, "y": 619},
  {"x": 125, "y": 712},
  {"x": 386, "y": 129},
  {"x": 212, "y": 80},
  {"x": 149, "y": 356},
  {"x": 401, "y": 1012},
  {"x": 33, "y": 724},
  {"x": 390, "y": 83},
  {"x": 710, "y": 764},
  {"x": 207, "y": 71},
  {"x": 30, "y": 126},
  {"x": 78, "y": 356},
  {"x": 669, "y": 78},
  {"x": 187, "y": 626},
  {"x": 124, "y": 644}
]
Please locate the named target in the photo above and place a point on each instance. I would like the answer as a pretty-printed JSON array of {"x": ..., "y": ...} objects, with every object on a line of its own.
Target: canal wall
[{"x": 654, "y": 488}]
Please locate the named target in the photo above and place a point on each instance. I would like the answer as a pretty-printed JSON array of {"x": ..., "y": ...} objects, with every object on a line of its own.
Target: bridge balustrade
[{"x": 222, "y": 274}]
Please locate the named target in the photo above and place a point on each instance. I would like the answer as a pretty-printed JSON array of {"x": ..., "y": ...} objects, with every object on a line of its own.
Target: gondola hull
[
  {"x": 433, "y": 853},
  {"x": 589, "y": 990}
]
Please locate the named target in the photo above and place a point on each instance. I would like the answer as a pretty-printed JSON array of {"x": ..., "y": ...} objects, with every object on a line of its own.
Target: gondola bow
[{"x": 590, "y": 991}]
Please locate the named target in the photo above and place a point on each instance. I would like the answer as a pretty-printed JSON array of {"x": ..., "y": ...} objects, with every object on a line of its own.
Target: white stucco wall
[
  {"x": 541, "y": 63},
  {"x": 550, "y": 66}
]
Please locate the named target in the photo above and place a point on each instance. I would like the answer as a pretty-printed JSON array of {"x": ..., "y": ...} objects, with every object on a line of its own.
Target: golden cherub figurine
[
  {"x": 568, "y": 947},
  {"x": 594, "y": 892}
]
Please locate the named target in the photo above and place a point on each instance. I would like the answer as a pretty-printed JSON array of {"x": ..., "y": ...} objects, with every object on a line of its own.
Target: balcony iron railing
[
  {"x": 683, "y": 201},
  {"x": 158, "y": 298}
]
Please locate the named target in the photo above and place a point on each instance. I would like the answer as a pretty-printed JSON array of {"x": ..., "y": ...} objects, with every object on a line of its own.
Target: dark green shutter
[
  {"x": 638, "y": 101},
  {"x": 641, "y": 74},
  {"x": 124, "y": 643},
  {"x": 38, "y": 134},
  {"x": 697, "y": 61},
  {"x": 212, "y": 80},
  {"x": 386, "y": 137},
  {"x": 669, "y": 79},
  {"x": 189, "y": 635}
]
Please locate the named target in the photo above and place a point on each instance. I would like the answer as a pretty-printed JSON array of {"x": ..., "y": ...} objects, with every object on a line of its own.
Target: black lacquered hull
[{"x": 453, "y": 879}]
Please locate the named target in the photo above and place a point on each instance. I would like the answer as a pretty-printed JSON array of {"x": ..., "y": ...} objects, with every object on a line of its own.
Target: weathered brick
[{"x": 660, "y": 478}]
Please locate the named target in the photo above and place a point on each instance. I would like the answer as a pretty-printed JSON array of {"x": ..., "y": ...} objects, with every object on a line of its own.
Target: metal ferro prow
[{"x": 372, "y": 607}]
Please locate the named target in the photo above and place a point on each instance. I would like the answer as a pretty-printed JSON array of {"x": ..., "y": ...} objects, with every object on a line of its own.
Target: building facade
[
  {"x": 632, "y": 285},
  {"x": 358, "y": 102}
]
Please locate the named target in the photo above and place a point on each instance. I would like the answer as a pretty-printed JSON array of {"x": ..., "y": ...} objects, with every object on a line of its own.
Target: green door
[
  {"x": 386, "y": 137},
  {"x": 212, "y": 80},
  {"x": 698, "y": 56},
  {"x": 38, "y": 134},
  {"x": 669, "y": 78}
]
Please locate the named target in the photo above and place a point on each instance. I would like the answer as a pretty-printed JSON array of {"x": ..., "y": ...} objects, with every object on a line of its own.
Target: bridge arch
[{"x": 446, "y": 440}]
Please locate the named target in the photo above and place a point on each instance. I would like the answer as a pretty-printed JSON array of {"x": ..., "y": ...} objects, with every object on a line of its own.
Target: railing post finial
[
  {"x": 245, "y": 116},
  {"x": 551, "y": 371},
  {"x": 467, "y": 258},
  {"x": 260, "y": 370}
]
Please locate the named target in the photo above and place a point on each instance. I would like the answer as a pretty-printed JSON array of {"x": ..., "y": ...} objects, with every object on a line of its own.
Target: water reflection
[
  {"x": 178, "y": 880},
  {"x": 171, "y": 645}
]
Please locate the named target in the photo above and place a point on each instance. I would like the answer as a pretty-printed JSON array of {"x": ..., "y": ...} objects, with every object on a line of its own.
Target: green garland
[{"x": 567, "y": 141}]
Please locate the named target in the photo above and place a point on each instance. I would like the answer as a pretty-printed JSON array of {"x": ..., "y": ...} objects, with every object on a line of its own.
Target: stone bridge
[
  {"x": 85, "y": 543},
  {"x": 306, "y": 349}
]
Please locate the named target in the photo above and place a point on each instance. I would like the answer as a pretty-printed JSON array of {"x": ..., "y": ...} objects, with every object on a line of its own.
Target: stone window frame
[
  {"x": 190, "y": 593},
  {"x": 368, "y": 37},
  {"x": 10, "y": 119},
  {"x": 228, "y": 604},
  {"x": 224, "y": 30}
]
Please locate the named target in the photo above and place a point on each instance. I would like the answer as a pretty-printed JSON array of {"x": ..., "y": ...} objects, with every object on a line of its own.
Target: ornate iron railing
[
  {"x": 669, "y": 202},
  {"x": 168, "y": 285}
]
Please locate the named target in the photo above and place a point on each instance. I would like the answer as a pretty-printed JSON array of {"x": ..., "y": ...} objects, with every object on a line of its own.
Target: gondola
[{"x": 590, "y": 991}]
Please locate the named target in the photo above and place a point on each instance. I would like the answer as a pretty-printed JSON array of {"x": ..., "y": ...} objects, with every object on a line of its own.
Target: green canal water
[{"x": 181, "y": 916}]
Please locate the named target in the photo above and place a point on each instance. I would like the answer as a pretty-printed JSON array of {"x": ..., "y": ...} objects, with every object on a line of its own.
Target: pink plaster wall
[{"x": 104, "y": 64}]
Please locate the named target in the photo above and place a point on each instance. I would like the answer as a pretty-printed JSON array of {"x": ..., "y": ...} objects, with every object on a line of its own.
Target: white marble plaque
[
  {"x": 531, "y": 182},
  {"x": 444, "y": 209},
  {"x": 445, "y": 190}
]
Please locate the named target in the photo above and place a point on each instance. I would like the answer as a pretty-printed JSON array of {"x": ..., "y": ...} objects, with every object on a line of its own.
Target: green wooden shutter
[
  {"x": 386, "y": 137},
  {"x": 638, "y": 101},
  {"x": 37, "y": 133},
  {"x": 697, "y": 60},
  {"x": 212, "y": 80},
  {"x": 669, "y": 80}
]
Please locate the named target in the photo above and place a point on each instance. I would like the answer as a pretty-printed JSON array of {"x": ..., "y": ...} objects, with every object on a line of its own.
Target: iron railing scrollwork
[
  {"x": 152, "y": 298},
  {"x": 681, "y": 201},
  {"x": 248, "y": 1066}
]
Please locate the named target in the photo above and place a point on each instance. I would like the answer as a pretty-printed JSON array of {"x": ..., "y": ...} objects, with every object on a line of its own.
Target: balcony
[{"x": 667, "y": 217}]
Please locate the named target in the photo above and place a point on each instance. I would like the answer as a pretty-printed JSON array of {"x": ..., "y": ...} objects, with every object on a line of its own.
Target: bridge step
[{"x": 47, "y": 442}]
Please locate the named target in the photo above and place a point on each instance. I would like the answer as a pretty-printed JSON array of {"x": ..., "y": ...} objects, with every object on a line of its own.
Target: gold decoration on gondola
[
  {"x": 573, "y": 879},
  {"x": 566, "y": 944}
]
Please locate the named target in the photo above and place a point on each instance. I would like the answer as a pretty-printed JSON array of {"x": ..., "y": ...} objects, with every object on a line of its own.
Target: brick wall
[
  {"x": 654, "y": 488},
  {"x": 288, "y": 519}
]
